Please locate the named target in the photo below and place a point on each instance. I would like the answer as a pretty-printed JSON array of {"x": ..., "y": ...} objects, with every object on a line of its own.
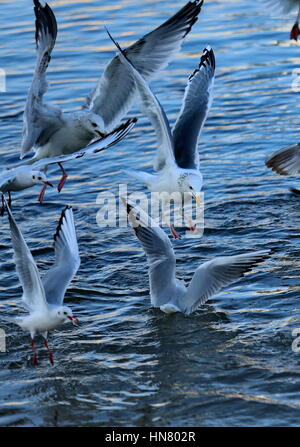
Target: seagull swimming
[
  {"x": 177, "y": 158},
  {"x": 286, "y": 6},
  {"x": 169, "y": 293},
  {"x": 43, "y": 298},
  {"x": 49, "y": 131},
  {"x": 286, "y": 161}
]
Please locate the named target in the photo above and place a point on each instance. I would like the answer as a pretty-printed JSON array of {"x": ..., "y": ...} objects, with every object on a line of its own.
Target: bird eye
[
  {"x": 65, "y": 313},
  {"x": 191, "y": 187},
  {"x": 33, "y": 177},
  {"x": 94, "y": 124},
  {"x": 40, "y": 178}
]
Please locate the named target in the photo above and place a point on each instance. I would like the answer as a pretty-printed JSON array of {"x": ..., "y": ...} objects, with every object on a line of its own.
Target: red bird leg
[
  {"x": 49, "y": 351},
  {"x": 63, "y": 179},
  {"x": 174, "y": 232},
  {"x": 295, "y": 31},
  {"x": 43, "y": 190},
  {"x": 42, "y": 193},
  {"x": 34, "y": 359}
]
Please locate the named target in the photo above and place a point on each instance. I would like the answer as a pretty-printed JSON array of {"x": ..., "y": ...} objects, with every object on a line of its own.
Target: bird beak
[
  {"x": 198, "y": 200},
  {"x": 74, "y": 320},
  {"x": 48, "y": 183},
  {"x": 102, "y": 135}
]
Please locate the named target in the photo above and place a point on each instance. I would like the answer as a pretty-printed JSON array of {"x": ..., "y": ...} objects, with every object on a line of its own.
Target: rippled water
[{"x": 230, "y": 363}]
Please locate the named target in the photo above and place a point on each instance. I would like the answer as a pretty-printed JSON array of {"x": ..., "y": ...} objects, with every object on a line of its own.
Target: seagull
[
  {"x": 286, "y": 6},
  {"x": 286, "y": 161},
  {"x": 177, "y": 159},
  {"x": 49, "y": 131},
  {"x": 43, "y": 298},
  {"x": 169, "y": 293},
  {"x": 20, "y": 178},
  {"x": 9, "y": 176}
]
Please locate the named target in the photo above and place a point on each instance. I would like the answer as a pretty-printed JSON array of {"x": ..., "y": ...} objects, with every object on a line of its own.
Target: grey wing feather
[
  {"x": 40, "y": 121},
  {"x": 152, "y": 108},
  {"x": 115, "y": 92},
  {"x": 160, "y": 256},
  {"x": 195, "y": 107},
  {"x": 213, "y": 275},
  {"x": 67, "y": 260},
  {"x": 286, "y": 161},
  {"x": 97, "y": 146},
  {"x": 283, "y": 6},
  {"x": 33, "y": 290}
]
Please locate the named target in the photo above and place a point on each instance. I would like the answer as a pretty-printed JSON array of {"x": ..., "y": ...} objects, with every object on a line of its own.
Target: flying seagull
[
  {"x": 49, "y": 131},
  {"x": 177, "y": 159},
  {"x": 167, "y": 292},
  {"x": 11, "y": 176},
  {"x": 43, "y": 298}
]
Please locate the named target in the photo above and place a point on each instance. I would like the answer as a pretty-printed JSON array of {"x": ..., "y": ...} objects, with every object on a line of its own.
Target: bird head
[
  {"x": 193, "y": 184},
  {"x": 64, "y": 313},
  {"x": 94, "y": 123},
  {"x": 39, "y": 177}
]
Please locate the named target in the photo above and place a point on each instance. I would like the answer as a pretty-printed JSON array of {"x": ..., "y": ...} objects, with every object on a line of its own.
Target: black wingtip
[
  {"x": 45, "y": 19},
  {"x": 122, "y": 132},
  {"x": 260, "y": 259},
  {"x": 191, "y": 11},
  {"x": 207, "y": 57},
  {"x": 279, "y": 160},
  {"x": 60, "y": 222}
]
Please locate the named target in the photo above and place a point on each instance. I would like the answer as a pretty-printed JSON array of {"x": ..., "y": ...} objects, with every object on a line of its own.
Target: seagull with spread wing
[
  {"x": 169, "y": 293},
  {"x": 177, "y": 158},
  {"x": 43, "y": 297},
  {"x": 22, "y": 177},
  {"x": 49, "y": 131}
]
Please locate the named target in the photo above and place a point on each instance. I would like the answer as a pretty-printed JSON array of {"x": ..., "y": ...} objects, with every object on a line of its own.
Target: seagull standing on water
[
  {"x": 43, "y": 298},
  {"x": 177, "y": 159},
  {"x": 49, "y": 131},
  {"x": 169, "y": 293}
]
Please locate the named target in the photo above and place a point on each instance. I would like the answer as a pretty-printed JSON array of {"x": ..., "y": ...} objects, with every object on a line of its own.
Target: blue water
[{"x": 231, "y": 363}]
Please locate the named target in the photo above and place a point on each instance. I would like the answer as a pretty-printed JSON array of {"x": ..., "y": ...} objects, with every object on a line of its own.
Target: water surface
[{"x": 230, "y": 363}]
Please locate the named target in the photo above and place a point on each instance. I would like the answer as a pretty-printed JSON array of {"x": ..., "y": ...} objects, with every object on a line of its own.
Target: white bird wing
[
  {"x": 67, "y": 260},
  {"x": 115, "y": 91},
  {"x": 33, "y": 290},
  {"x": 93, "y": 148},
  {"x": 6, "y": 178},
  {"x": 286, "y": 161},
  {"x": 213, "y": 275},
  {"x": 155, "y": 113},
  {"x": 160, "y": 255},
  {"x": 194, "y": 110},
  {"x": 41, "y": 121}
]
